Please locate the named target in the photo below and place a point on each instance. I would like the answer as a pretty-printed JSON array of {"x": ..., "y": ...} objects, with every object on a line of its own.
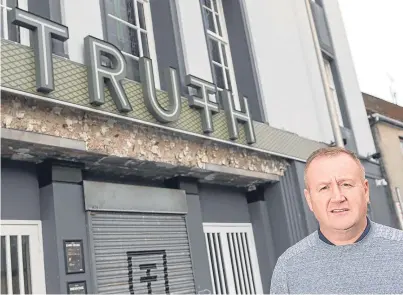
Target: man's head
[{"x": 336, "y": 189}]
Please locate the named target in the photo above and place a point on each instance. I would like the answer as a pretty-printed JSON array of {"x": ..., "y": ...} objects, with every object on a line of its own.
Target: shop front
[{"x": 112, "y": 186}]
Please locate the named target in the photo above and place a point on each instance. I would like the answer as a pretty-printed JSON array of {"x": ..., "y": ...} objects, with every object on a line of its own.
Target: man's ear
[
  {"x": 366, "y": 190},
  {"x": 308, "y": 198}
]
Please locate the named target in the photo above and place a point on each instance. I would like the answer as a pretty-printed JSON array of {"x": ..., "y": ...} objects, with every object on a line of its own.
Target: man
[{"x": 348, "y": 253}]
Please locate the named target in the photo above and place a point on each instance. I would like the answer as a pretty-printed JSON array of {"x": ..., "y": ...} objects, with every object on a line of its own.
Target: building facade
[
  {"x": 386, "y": 121},
  {"x": 159, "y": 146}
]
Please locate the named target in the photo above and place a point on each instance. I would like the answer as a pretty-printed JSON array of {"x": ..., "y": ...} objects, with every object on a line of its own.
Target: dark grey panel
[
  {"x": 311, "y": 222},
  {"x": 164, "y": 36},
  {"x": 264, "y": 241},
  {"x": 241, "y": 57},
  {"x": 341, "y": 95},
  {"x": 372, "y": 169},
  {"x": 223, "y": 204},
  {"x": 285, "y": 202},
  {"x": 50, "y": 247},
  {"x": 348, "y": 135},
  {"x": 381, "y": 205},
  {"x": 198, "y": 250},
  {"x": 322, "y": 29},
  {"x": 70, "y": 224},
  {"x": 19, "y": 191}
]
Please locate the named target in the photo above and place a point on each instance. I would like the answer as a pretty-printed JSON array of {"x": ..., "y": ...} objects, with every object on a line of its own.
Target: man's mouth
[{"x": 339, "y": 210}]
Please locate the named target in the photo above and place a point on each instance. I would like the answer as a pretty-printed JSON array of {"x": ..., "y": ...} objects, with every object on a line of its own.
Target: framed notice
[
  {"x": 77, "y": 287},
  {"x": 74, "y": 256}
]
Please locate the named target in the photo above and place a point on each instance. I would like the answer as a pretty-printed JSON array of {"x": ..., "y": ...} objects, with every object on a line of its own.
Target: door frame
[{"x": 39, "y": 267}]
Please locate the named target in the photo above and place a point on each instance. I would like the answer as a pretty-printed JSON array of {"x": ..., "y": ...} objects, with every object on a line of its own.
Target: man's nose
[{"x": 337, "y": 194}]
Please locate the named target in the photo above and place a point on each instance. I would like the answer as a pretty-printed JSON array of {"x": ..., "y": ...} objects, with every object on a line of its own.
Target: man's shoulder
[
  {"x": 300, "y": 248},
  {"x": 387, "y": 233}
]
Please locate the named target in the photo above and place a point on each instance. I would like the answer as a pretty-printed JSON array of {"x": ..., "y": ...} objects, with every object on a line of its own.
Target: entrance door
[
  {"x": 22, "y": 267},
  {"x": 233, "y": 260}
]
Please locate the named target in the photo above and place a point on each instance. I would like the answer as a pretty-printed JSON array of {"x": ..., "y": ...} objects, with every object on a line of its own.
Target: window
[
  {"x": 401, "y": 143},
  {"x": 7, "y": 29},
  {"x": 219, "y": 49},
  {"x": 129, "y": 27},
  {"x": 332, "y": 88}
]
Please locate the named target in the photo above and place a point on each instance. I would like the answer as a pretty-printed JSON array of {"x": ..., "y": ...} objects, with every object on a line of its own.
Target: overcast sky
[{"x": 375, "y": 34}]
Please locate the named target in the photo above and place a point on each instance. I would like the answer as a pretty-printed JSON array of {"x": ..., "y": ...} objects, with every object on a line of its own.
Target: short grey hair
[{"x": 331, "y": 152}]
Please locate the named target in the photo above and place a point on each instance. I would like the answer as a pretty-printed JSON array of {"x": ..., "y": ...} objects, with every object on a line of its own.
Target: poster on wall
[
  {"x": 77, "y": 287},
  {"x": 74, "y": 256}
]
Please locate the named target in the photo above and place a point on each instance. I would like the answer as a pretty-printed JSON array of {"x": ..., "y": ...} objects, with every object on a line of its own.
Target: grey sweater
[{"x": 372, "y": 265}]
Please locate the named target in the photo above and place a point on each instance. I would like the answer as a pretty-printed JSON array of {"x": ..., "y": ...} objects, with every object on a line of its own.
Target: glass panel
[
  {"x": 128, "y": 13},
  {"x": 142, "y": 20},
  {"x": 209, "y": 20},
  {"x": 3, "y": 266},
  {"x": 207, "y": 3},
  {"x": 215, "y": 52},
  {"x": 215, "y": 5},
  {"x": 224, "y": 54},
  {"x": 14, "y": 265},
  {"x": 134, "y": 43},
  {"x": 219, "y": 76},
  {"x": 218, "y": 31},
  {"x": 228, "y": 79},
  {"x": 144, "y": 41},
  {"x": 26, "y": 263}
]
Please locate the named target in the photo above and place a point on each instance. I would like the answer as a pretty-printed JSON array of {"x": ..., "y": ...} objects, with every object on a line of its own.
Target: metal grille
[
  {"x": 233, "y": 261},
  {"x": 141, "y": 253}
]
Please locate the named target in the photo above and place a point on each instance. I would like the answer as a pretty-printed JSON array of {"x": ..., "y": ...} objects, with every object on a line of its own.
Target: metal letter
[
  {"x": 173, "y": 111},
  {"x": 233, "y": 117},
  {"x": 98, "y": 74},
  {"x": 202, "y": 102},
  {"x": 43, "y": 30}
]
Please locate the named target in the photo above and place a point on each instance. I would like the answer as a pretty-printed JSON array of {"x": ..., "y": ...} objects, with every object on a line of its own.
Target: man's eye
[
  {"x": 323, "y": 188},
  {"x": 347, "y": 185}
]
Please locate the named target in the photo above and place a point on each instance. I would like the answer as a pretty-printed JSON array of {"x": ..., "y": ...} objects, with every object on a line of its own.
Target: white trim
[
  {"x": 4, "y": 20},
  {"x": 108, "y": 114},
  {"x": 332, "y": 87},
  {"x": 242, "y": 231},
  {"x": 21, "y": 222},
  {"x": 151, "y": 42},
  {"x": 33, "y": 228}
]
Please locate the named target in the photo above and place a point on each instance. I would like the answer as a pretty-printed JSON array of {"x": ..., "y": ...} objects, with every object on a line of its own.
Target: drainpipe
[
  {"x": 399, "y": 207},
  {"x": 378, "y": 117},
  {"x": 334, "y": 120}
]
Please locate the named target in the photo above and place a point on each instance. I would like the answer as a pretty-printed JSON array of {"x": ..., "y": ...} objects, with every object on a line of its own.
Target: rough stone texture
[{"x": 108, "y": 136}]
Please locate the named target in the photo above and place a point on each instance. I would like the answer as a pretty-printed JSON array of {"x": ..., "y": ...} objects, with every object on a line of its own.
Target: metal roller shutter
[{"x": 139, "y": 253}]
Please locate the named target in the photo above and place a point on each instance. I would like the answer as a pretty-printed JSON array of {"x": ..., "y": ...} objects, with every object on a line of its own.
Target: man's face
[{"x": 336, "y": 192}]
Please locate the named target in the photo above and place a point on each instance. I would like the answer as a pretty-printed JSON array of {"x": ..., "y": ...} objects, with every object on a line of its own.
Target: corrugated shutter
[{"x": 139, "y": 253}]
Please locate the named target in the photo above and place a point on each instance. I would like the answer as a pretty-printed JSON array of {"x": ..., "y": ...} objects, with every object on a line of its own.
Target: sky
[{"x": 375, "y": 35}]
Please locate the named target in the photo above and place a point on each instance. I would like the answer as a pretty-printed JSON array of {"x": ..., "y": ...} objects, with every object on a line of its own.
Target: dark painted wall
[
  {"x": 19, "y": 191},
  {"x": 164, "y": 39},
  {"x": 311, "y": 222},
  {"x": 263, "y": 235},
  {"x": 223, "y": 204},
  {"x": 63, "y": 218},
  {"x": 381, "y": 207}
]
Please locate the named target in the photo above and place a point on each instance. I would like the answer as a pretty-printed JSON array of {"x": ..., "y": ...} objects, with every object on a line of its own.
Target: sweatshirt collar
[{"x": 363, "y": 235}]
